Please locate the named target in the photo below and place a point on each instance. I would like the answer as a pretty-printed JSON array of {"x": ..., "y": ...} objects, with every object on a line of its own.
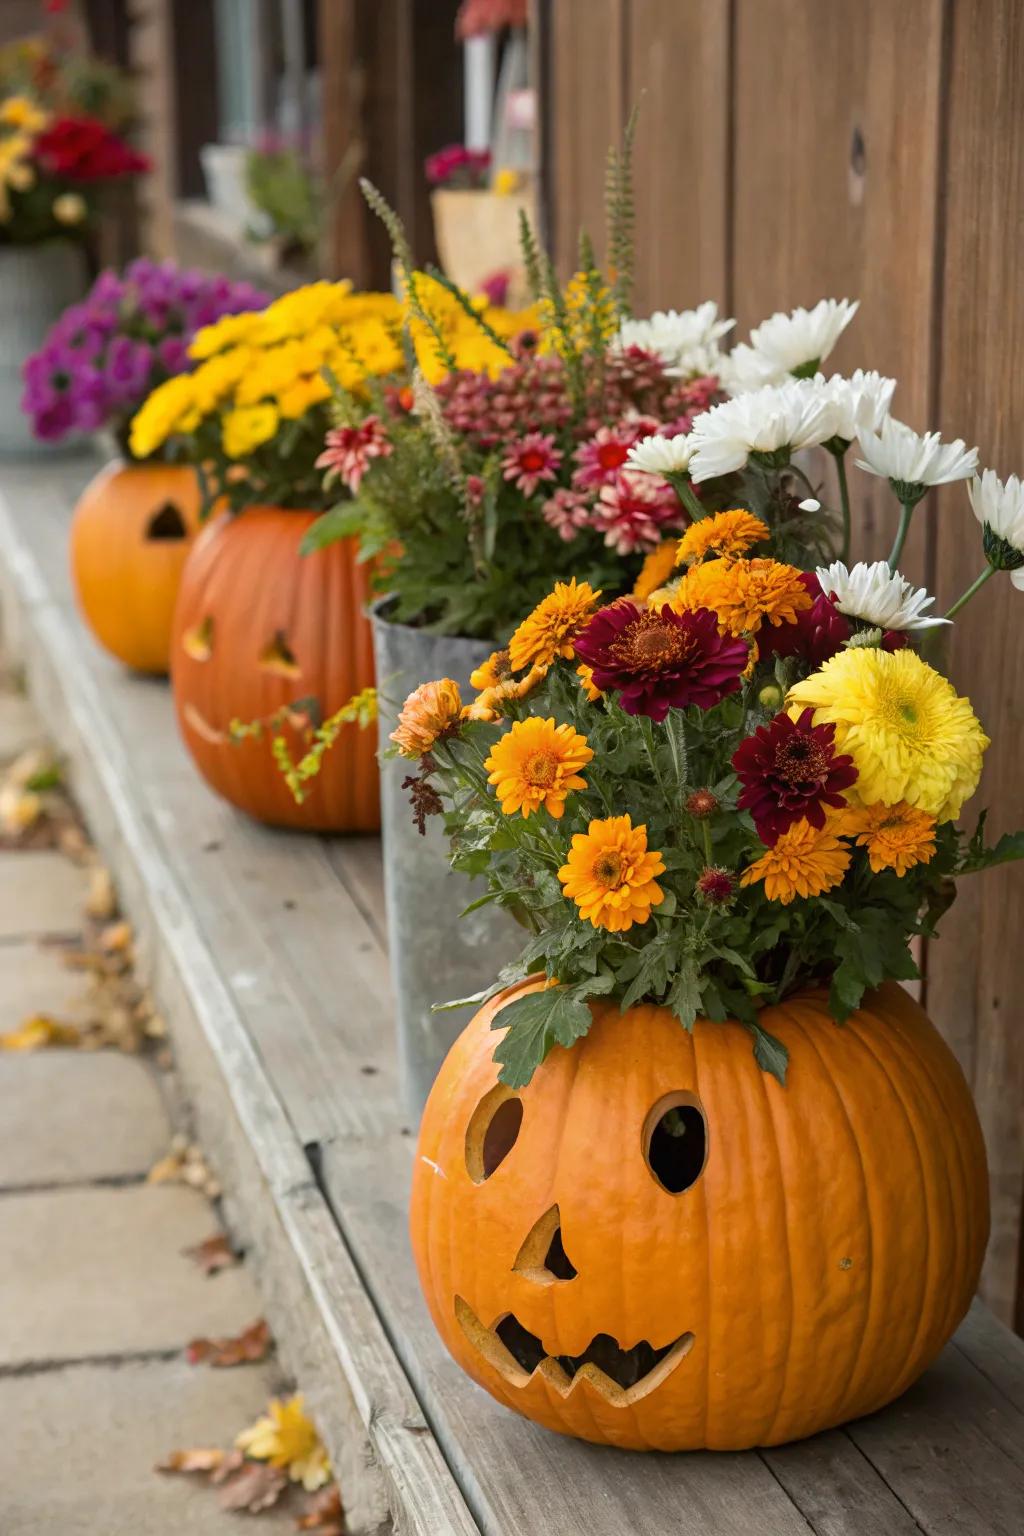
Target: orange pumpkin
[
  {"x": 259, "y": 625},
  {"x": 130, "y": 535},
  {"x": 655, "y": 1245}
]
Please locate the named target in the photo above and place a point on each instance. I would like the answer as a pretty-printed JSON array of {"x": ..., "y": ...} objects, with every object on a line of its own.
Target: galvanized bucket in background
[
  {"x": 435, "y": 955},
  {"x": 37, "y": 283}
]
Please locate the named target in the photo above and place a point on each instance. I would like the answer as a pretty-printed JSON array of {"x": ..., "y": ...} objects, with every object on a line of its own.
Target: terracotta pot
[
  {"x": 130, "y": 535},
  {"x": 790, "y": 1257},
  {"x": 259, "y": 626}
]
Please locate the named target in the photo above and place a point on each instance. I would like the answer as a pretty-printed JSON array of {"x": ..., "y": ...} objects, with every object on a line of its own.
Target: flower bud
[
  {"x": 715, "y": 886},
  {"x": 702, "y": 804},
  {"x": 770, "y": 696}
]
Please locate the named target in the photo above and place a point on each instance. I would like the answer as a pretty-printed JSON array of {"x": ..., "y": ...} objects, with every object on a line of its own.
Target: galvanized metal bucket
[
  {"x": 435, "y": 955},
  {"x": 37, "y": 283}
]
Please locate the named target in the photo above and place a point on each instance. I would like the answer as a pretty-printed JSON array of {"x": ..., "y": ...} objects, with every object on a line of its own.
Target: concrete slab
[
  {"x": 80, "y": 1444},
  {"x": 40, "y": 892},
  {"x": 92, "y": 1272},
  {"x": 71, "y": 1117},
  {"x": 33, "y": 979},
  {"x": 20, "y": 727}
]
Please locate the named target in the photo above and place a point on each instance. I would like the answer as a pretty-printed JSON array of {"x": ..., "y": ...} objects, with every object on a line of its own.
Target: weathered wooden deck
[{"x": 267, "y": 954}]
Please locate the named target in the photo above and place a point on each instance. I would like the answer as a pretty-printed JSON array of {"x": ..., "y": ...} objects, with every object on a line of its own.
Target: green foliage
[
  {"x": 620, "y": 214},
  {"x": 283, "y": 189}
]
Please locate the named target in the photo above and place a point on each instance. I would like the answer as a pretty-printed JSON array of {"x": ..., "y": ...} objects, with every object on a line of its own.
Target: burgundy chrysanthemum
[
  {"x": 659, "y": 661},
  {"x": 790, "y": 772},
  {"x": 819, "y": 632}
]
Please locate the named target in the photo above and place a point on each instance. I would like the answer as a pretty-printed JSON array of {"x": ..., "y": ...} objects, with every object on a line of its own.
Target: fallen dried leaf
[
  {"x": 213, "y": 1254},
  {"x": 166, "y": 1171},
  {"x": 116, "y": 937},
  {"x": 323, "y": 1514},
  {"x": 253, "y": 1488},
  {"x": 38, "y": 1032},
  {"x": 253, "y": 1343},
  {"x": 195, "y": 1459},
  {"x": 231, "y": 1463},
  {"x": 101, "y": 901}
]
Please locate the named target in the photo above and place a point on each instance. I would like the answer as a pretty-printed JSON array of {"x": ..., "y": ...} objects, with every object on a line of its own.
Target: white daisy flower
[
  {"x": 805, "y": 336},
  {"x": 660, "y": 455},
  {"x": 999, "y": 507},
  {"x": 878, "y": 596},
  {"x": 685, "y": 340},
  {"x": 898, "y": 453},
  {"x": 777, "y": 418},
  {"x": 743, "y": 370},
  {"x": 862, "y": 400}
]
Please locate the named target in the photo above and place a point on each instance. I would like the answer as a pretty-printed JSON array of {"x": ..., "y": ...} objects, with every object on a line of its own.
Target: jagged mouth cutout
[{"x": 674, "y": 1148}]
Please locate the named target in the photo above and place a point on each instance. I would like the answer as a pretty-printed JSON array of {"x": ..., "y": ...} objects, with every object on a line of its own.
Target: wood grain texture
[
  {"x": 682, "y": 150},
  {"x": 975, "y": 973}
]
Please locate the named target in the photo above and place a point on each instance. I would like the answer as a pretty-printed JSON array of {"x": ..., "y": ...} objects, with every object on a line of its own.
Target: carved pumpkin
[
  {"x": 130, "y": 535},
  {"x": 656, "y": 1246},
  {"x": 258, "y": 626}
]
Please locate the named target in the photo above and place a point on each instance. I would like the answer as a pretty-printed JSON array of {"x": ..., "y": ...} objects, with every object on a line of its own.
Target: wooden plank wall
[{"x": 793, "y": 149}]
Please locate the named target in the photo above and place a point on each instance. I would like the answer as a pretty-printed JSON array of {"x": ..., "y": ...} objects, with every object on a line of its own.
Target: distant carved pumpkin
[
  {"x": 655, "y": 1245},
  {"x": 259, "y": 625},
  {"x": 130, "y": 536}
]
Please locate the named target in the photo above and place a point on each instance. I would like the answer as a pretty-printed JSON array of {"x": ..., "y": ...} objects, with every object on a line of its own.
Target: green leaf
[
  {"x": 651, "y": 974},
  {"x": 1009, "y": 847},
  {"x": 342, "y": 522},
  {"x": 475, "y": 1001},
  {"x": 684, "y": 996},
  {"x": 770, "y": 1054},
  {"x": 540, "y": 1020}
]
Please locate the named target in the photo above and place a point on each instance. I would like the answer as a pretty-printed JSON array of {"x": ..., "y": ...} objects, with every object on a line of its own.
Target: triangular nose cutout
[
  {"x": 166, "y": 523},
  {"x": 543, "y": 1258}
]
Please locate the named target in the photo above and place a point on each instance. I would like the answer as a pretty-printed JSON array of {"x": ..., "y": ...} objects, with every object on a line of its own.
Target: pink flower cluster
[
  {"x": 457, "y": 166},
  {"x": 349, "y": 451}
]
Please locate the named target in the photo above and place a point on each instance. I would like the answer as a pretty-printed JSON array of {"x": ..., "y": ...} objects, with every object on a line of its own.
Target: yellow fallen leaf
[
  {"x": 101, "y": 902},
  {"x": 287, "y": 1439},
  {"x": 38, "y": 1032},
  {"x": 166, "y": 1171},
  {"x": 19, "y": 808},
  {"x": 116, "y": 937},
  {"x": 199, "y": 1458}
]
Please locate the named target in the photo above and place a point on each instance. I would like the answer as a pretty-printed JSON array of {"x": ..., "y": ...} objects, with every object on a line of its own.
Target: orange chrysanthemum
[
  {"x": 490, "y": 703},
  {"x": 609, "y": 874},
  {"x": 804, "y": 862},
  {"x": 656, "y": 570},
  {"x": 586, "y": 677},
  {"x": 495, "y": 670},
  {"x": 895, "y": 836},
  {"x": 536, "y": 765},
  {"x": 551, "y": 628},
  {"x": 721, "y": 533},
  {"x": 744, "y": 593},
  {"x": 430, "y": 710}
]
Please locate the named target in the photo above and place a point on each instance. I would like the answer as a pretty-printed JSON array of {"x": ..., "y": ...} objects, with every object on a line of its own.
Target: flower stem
[
  {"x": 844, "y": 500},
  {"x": 901, "y": 533},
  {"x": 706, "y": 829},
  {"x": 684, "y": 490},
  {"x": 975, "y": 586}
]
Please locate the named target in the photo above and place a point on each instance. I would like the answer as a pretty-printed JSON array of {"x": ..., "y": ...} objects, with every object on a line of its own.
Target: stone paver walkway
[{"x": 96, "y": 1298}]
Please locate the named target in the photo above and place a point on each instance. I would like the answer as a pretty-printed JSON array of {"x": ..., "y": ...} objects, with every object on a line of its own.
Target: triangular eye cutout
[
  {"x": 543, "y": 1258},
  {"x": 197, "y": 642},
  {"x": 278, "y": 656},
  {"x": 166, "y": 523}
]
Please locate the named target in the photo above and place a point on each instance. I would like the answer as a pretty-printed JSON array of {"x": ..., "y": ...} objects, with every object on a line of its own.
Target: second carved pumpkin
[{"x": 259, "y": 626}]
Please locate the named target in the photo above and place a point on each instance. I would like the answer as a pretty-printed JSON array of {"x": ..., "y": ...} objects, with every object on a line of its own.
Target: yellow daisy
[
  {"x": 804, "y": 862},
  {"x": 895, "y": 836},
  {"x": 551, "y": 628},
  {"x": 721, "y": 533},
  {"x": 909, "y": 734},
  {"x": 536, "y": 765},
  {"x": 247, "y": 428},
  {"x": 656, "y": 570},
  {"x": 744, "y": 593},
  {"x": 430, "y": 709},
  {"x": 609, "y": 874}
]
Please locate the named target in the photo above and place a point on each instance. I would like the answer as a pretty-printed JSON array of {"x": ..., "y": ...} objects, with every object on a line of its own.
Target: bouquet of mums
[
  {"x": 128, "y": 336},
  {"x": 744, "y": 782}
]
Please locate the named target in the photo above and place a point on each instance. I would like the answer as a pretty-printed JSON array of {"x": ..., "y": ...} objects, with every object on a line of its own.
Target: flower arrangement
[
  {"x": 51, "y": 164},
  {"x": 712, "y": 795},
  {"x": 260, "y": 390},
  {"x": 129, "y": 335}
]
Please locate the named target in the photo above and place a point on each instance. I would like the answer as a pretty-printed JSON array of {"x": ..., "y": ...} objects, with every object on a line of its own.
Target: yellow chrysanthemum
[
  {"x": 744, "y": 593},
  {"x": 804, "y": 862},
  {"x": 552, "y": 627},
  {"x": 285, "y": 1438},
  {"x": 536, "y": 765},
  {"x": 721, "y": 533},
  {"x": 895, "y": 836},
  {"x": 496, "y": 669},
  {"x": 162, "y": 414},
  {"x": 656, "y": 570},
  {"x": 609, "y": 874},
  {"x": 21, "y": 112},
  {"x": 430, "y": 709},
  {"x": 226, "y": 332},
  {"x": 586, "y": 677},
  {"x": 490, "y": 703},
  {"x": 247, "y": 427},
  {"x": 909, "y": 734}
]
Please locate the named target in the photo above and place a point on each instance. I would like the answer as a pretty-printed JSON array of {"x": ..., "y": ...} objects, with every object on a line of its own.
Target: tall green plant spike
[
  {"x": 465, "y": 303},
  {"x": 620, "y": 214},
  {"x": 531, "y": 256},
  {"x": 403, "y": 255}
]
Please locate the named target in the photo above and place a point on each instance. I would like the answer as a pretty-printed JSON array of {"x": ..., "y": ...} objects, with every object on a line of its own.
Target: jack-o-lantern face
[
  {"x": 656, "y": 1246},
  {"x": 259, "y": 626}
]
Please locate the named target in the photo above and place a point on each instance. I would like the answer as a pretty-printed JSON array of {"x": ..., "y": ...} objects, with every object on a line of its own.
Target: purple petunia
[{"x": 131, "y": 332}]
